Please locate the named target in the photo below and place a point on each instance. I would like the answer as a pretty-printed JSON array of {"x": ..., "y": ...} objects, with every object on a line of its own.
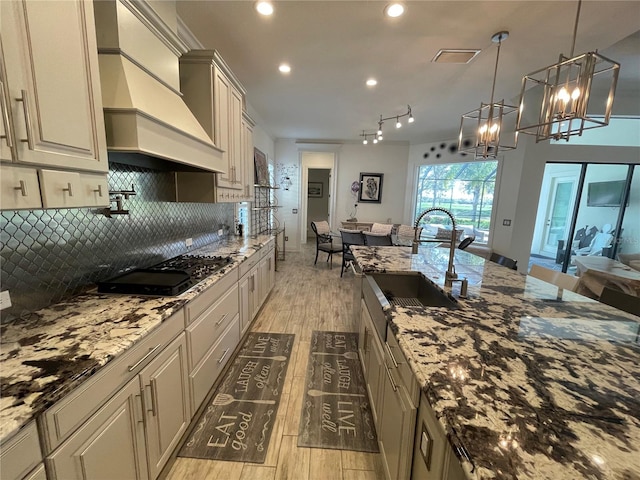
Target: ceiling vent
[{"x": 455, "y": 55}]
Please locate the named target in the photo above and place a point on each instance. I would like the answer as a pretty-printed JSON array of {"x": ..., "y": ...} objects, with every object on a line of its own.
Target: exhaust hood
[{"x": 138, "y": 55}]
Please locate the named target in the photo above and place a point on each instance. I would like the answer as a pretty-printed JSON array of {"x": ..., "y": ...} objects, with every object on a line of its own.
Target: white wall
[{"x": 389, "y": 159}]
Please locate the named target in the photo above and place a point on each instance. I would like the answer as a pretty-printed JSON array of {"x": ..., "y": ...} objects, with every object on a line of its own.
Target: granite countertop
[
  {"x": 44, "y": 357},
  {"x": 531, "y": 381}
]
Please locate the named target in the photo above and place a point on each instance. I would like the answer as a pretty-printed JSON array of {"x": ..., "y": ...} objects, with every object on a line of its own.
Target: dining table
[{"x": 597, "y": 272}]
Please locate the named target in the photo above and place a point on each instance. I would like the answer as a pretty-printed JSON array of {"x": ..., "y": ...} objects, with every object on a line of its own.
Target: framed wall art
[
  {"x": 262, "y": 170},
  {"x": 370, "y": 188},
  {"x": 314, "y": 189}
]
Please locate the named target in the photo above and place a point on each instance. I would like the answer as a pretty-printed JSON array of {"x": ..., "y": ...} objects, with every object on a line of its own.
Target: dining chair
[
  {"x": 562, "y": 280},
  {"x": 504, "y": 261},
  {"x": 324, "y": 241},
  {"x": 377, "y": 239},
  {"x": 385, "y": 228},
  {"x": 620, "y": 300},
  {"x": 408, "y": 231},
  {"x": 349, "y": 237}
]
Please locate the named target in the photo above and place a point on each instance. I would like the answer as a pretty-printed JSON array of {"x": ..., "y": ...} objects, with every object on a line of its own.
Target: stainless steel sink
[{"x": 412, "y": 289}]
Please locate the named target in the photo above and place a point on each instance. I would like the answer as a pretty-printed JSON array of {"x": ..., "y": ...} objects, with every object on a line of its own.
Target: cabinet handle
[
  {"x": 99, "y": 190},
  {"x": 149, "y": 353},
  {"x": 68, "y": 189},
  {"x": 393, "y": 359},
  {"x": 222, "y": 319},
  {"x": 393, "y": 384},
  {"x": 27, "y": 119},
  {"x": 22, "y": 188},
  {"x": 5, "y": 117},
  {"x": 223, "y": 355},
  {"x": 154, "y": 397},
  {"x": 141, "y": 397}
]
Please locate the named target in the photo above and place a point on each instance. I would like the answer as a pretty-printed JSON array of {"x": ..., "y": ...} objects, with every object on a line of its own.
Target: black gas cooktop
[{"x": 171, "y": 277}]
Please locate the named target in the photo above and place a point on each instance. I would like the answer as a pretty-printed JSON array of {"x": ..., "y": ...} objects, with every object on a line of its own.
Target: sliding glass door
[{"x": 586, "y": 209}]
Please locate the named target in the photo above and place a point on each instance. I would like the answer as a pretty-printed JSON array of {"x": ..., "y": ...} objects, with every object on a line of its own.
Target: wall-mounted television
[{"x": 605, "y": 194}]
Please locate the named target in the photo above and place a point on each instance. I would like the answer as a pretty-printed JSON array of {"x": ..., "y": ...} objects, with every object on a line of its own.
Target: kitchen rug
[
  {"x": 237, "y": 423},
  {"x": 335, "y": 409}
]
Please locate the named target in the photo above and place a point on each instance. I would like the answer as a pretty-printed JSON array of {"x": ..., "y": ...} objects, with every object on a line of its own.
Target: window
[{"x": 465, "y": 189}]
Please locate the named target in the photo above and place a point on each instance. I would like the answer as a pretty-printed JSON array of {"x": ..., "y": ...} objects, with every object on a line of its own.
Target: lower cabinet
[
  {"x": 257, "y": 279},
  {"x": 135, "y": 432},
  {"x": 110, "y": 445},
  {"x": 20, "y": 456},
  {"x": 371, "y": 357}
]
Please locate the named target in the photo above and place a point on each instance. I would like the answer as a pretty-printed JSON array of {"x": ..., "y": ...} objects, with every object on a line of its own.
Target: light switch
[{"x": 506, "y": 222}]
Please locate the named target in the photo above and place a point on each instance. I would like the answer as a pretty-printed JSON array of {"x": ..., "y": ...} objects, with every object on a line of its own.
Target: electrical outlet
[
  {"x": 294, "y": 210},
  {"x": 286, "y": 238},
  {"x": 220, "y": 231},
  {"x": 5, "y": 300},
  {"x": 506, "y": 222},
  {"x": 188, "y": 242}
]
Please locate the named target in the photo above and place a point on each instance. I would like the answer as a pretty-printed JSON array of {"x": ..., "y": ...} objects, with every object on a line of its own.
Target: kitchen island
[
  {"x": 47, "y": 355},
  {"x": 526, "y": 380}
]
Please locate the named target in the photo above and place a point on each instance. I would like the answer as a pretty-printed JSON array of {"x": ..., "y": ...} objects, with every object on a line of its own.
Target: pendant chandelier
[
  {"x": 568, "y": 97},
  {"x": 486, "y": 131}
]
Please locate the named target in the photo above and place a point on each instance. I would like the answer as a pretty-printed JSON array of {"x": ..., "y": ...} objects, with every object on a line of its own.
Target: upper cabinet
[
  {"x": 216, "y": 98},
  {"x": 50, "y": 92}
]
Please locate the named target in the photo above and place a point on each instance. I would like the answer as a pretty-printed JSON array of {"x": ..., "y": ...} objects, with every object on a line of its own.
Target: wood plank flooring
[{"x": 305, "y": 298}]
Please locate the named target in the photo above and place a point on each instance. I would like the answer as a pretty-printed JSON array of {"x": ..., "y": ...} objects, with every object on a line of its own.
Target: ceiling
[{"x": 334, "y": 46}]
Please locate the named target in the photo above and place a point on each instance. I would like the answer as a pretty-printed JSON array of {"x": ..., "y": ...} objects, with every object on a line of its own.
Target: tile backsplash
[{"x": 49, "y": 255}]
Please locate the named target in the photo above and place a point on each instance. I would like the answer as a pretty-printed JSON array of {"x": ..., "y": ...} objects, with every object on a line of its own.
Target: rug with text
[
  {"x": 336, "y": 412},
  {"x": 237, "y": 423}
]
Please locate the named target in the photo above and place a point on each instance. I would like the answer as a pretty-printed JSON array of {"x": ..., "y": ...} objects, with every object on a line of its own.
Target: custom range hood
[{"x": 138, "y": 52}]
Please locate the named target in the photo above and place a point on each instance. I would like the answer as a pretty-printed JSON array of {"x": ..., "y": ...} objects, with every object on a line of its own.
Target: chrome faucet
[{"x": 451, "y": 274}]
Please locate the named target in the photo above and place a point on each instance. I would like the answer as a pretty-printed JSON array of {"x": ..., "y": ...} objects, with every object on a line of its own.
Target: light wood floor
[{"x": 305, "y": 298}]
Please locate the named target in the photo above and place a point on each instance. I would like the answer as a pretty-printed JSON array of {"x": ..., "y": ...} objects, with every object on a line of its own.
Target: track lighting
[{"x": 377, "y": 136}]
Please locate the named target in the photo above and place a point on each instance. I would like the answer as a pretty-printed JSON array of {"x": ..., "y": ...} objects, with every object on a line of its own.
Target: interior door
[{"x": 559, "y": 210}]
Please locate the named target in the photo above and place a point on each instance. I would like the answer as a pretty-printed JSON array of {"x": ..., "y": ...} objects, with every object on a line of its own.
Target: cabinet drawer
[
  {"x": 19, "y": 188},
  {"x": 249, "y": 263},
  {"x": 403, "y": 369},
  {"x": 211, "y": 295},
  {"x": 206, "y": 373},
  {"x": 60, "y": 189},
  {"x": 94, "y": 190},
  {"x": 204, "y": 332},
  {"x": 20, "y": 454},
  {"x": 66, "y": 415}
]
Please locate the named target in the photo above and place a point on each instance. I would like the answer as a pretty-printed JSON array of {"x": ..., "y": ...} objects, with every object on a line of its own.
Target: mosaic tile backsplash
[{"x": 49, "y": 255}]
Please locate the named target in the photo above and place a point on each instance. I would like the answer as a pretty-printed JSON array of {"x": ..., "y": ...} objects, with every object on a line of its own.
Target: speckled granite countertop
[
  {"x": 532, "y": 386},
  {"x": 45, "y": 357}
]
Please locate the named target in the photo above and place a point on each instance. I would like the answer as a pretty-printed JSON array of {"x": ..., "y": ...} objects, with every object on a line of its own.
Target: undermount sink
[{"x": 412, "y": 289}]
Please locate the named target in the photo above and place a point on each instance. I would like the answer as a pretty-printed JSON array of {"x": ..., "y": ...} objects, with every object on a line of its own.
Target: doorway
[
  {"x": 318, "y": 167},
  {"x": 317, "y": 196}
]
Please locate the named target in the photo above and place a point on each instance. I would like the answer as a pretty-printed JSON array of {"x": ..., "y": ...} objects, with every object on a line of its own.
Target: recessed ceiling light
[
  {"x": 372, "y": 82},
  {"x": 284, "y": 68},
  {"x": 394, "y": 9},
  {"x": 264, "y": 8}
]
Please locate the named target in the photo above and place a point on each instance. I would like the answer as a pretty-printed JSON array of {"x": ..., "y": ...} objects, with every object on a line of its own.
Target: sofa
[{"x": 587, "y": 241}]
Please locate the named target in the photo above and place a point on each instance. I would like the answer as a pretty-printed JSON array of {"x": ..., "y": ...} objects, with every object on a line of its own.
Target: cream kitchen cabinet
[
  {"x": 20, "y": 456},
  {"x": 51, "y": 99},
  {"x": 257, "y": 278},
  {"x": 212, "y": 335},
  {"x": 247, "y": 162},
  {"x": 372, "y": 359},
  {"x": 73, "y": 189},
  {"x": 19, "y": 188},
  {"x": 216, "y": 98},
  {"x": 127, "y": 419},
  {"x": 397, "y": 420}
]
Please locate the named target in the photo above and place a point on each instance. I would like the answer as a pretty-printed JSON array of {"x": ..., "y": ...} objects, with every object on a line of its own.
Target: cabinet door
[
  {"x": 109, "y": 445},
  {"x": 235, "y": 138},
  {"x": 254, "y": 291},
  {"x": 246, "y": 313},
  {"x": 396, "y": 428},
  {"x": 222, "y": 115},
  {"x": 247, "y": 161},
  {"x": 54, "y": 88},
  {"x": 375, "y": 368},
  {"x": 19, "y": 188},
  {"x": 166, "y": 393},
  {"x": 6, "y": 136}
]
